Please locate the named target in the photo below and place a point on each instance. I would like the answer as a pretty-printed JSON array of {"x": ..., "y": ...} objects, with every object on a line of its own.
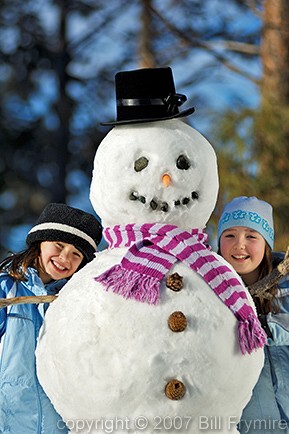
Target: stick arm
[
  {"x": 260, "y": 288},
  {"x": 30, "y": 299}
]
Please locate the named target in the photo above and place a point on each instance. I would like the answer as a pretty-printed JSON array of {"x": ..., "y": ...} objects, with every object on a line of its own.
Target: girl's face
[
  {"x": 58, "y": 260},
  {"x": 244, "y": 249}
]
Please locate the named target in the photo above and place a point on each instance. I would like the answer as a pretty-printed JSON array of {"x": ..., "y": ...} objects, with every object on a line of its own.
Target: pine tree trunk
[
  {"x": 64, "y": 108},
  {"x": 272, "y": 126},
  {"x": 275, "y": 51},
  {"x": 147, "y": 59}
]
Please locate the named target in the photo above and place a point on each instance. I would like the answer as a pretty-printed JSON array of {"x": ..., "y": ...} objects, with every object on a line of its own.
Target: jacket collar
[{"x": 35, "y": 284}]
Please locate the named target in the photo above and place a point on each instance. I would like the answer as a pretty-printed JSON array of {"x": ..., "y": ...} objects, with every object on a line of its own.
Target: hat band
[
  {"x": 172, "y": 101},
  {"x": 139, "y": 101},
  {"x": 64, "y": 228}
]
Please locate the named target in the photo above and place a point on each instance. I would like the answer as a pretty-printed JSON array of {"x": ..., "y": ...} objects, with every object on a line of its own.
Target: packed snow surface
[{"x": 104, "y": 360}]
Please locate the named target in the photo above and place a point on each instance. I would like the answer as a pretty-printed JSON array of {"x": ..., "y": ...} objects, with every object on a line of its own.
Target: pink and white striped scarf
[{"x": 154, "y": 248}]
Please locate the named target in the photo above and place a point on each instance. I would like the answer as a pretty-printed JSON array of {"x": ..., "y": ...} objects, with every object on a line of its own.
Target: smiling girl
[
  {"x": 244, "y": 248},
  {"x": 246, "y": 241},
  {"x": 63, "y": 240}
]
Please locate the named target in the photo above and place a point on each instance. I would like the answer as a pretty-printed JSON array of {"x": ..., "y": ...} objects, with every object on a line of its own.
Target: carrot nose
[{"x": 166, "y": 179}]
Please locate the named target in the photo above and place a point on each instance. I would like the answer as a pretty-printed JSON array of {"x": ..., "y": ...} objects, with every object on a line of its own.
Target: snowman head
[
  {"x": 152, "y": 167},
  {"x": 155, "y": 172}
]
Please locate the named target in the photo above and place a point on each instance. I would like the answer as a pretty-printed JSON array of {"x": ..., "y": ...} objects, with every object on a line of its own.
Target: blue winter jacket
[
  {"x": 24, "y": 407},
  {"x": 268, "y": 410}
]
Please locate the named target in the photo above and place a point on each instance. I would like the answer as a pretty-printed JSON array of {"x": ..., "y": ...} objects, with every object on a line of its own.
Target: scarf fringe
[
  {"x": 130, "y": 284},
  {"x": 251, "y": 334}
]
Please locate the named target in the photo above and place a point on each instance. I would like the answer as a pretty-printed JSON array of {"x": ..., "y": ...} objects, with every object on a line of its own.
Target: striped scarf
[{"x": 154, "y": 249}]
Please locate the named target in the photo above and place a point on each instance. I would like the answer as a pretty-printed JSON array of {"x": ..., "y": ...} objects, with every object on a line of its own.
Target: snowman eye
[
  {"x": 140, "y": 164},
  {"x": 183, "y": 163}
]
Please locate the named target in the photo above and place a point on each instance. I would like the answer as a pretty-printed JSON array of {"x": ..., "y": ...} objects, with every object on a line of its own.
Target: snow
[
  {"x": 104, "y": 361},
  {"x": 161, "y": 143}
]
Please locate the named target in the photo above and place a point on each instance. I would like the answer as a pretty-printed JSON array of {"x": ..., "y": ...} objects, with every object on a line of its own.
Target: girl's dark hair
[
  {"x": 266, "y": 265},
  {"x": 16, "y": 265},
  {"x": 265, "y": 306}
]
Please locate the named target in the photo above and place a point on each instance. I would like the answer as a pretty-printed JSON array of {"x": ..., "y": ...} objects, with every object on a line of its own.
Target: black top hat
[{"x": 147, "y": 95}]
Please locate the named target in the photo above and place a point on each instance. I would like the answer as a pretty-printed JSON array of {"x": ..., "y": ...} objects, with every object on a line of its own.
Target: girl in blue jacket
[
  {"x": 246, "y": 239},
  {"x": 62, "y": 241}
]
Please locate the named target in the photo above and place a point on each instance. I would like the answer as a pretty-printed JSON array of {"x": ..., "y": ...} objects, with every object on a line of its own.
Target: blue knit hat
[{"x": 249, "y": 212}]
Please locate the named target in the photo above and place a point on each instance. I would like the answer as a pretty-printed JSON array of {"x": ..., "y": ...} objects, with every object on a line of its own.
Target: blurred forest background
[{"x": 57, "y": 68}]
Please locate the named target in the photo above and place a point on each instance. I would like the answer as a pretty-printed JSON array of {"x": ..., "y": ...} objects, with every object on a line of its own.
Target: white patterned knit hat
[{"x": 249, "y": 212}]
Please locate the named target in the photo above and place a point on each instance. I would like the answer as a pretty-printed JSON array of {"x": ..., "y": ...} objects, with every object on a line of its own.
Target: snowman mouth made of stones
[{"x": 155, "y": 203}]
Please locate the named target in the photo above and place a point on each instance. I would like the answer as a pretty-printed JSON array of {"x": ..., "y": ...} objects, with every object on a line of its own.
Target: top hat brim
[{"x": 138, "y": 121}]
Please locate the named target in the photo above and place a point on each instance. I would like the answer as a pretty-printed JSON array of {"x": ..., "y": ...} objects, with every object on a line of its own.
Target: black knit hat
[
  {"x": 60, "y": 222},
  {"x": 147, "y": 95}
]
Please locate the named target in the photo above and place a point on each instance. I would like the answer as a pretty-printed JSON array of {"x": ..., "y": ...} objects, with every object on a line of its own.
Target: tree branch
[
  {"x": 30, "y": 299},
  {"x": 230, "y": 45},
  {"x": 260, "y": 289}
]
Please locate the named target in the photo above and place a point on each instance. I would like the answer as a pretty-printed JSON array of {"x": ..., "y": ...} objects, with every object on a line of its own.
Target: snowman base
[{"x": 110, "y": 359}]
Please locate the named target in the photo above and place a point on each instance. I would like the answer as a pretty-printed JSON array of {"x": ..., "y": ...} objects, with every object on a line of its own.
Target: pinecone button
[
  {"x": 175, "y": 282},
  {"x": 177, "y": 321},
  {"x": 175, "y": 390}
]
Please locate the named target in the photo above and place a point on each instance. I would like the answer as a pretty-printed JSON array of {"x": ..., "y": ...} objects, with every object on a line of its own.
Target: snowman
[{"x": 157, "y": 333}]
